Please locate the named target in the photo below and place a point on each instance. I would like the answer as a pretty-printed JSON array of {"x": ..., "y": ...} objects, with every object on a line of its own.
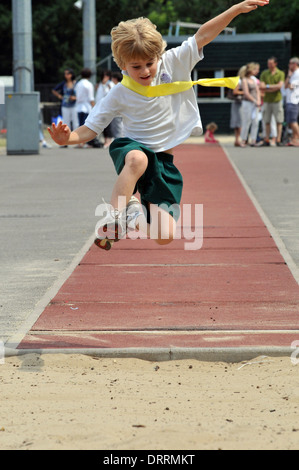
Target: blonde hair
[
  {"x": 135, "y": 39},
  {"x": 242, "y": 71},
  {"x": 212, "y": 126},
  {"x": 250, "y": 69}
]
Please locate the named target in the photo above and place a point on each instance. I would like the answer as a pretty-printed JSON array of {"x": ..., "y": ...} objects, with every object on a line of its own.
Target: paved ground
[
  {"x": 47, "y": 220},
  {"x": 47, "y": 213},
  {"x": 271, "y": 175}
]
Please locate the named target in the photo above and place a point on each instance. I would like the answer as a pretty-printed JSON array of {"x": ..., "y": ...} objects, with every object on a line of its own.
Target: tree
[
  {"x": 161, "y": 13},
  {"x": 6, "y": 32},
  {"x": 279, "y": 16},
  {"x": 57, "y": 39}
]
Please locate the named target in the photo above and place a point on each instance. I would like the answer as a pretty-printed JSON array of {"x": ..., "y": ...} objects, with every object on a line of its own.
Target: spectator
[
  {"x": 292, "y": 100},
  {"x": 116, "y": 77},
  {"x": 250, "y": 106},
  {"x": 85, "y": 98},
  {"x": 272, "y": 81},
  {"x": 104, "y": 86},
  {"x": 211, "y": 128},
  {"x": 236, "y": 96},
  {"x": 255, "y": 73},
  {"x": 65, "y": 91}
]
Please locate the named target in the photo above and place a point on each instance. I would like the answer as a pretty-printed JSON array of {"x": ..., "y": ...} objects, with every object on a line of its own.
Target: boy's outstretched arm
[
  {"x": 62, "y": 135},
  {"x": 210, "y": 30}
]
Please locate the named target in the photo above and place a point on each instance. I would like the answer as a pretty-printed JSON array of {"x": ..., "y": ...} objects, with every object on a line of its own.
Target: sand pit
[{"x": 82, "y": 402}]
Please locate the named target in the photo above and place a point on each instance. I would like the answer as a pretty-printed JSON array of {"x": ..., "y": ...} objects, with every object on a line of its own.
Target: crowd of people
[
  {"x": 79, "y": 97},
  {"x": 264, "y": 110}
]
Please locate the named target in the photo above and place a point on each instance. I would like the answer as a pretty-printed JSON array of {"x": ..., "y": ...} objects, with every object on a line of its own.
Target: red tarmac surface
[{"x": 236, "y": 291}]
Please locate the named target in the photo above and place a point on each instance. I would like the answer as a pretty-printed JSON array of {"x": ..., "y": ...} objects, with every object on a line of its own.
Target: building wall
[{"x": 219, "y": 113}]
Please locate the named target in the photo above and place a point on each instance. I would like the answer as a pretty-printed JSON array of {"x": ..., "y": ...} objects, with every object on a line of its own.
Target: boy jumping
[{"x": 153, "y": 124}]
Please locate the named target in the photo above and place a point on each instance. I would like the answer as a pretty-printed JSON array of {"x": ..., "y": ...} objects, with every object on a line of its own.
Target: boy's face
[{"x": 143, "y": 71}]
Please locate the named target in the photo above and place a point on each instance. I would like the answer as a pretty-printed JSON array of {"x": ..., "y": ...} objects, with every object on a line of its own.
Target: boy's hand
[
  {"x": 249, "y": 5},
  {"x": 60, "y": 133}
]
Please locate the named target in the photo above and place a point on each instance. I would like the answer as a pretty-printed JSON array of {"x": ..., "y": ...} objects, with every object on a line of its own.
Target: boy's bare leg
[
  {"x": 162, "y": 228},
  {"x": 135, "y": 165},
  {"x": 163, "y": 225}
]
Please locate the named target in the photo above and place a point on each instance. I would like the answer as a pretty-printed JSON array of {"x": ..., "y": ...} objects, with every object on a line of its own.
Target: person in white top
[
  {"x": 105, "y": 86},
  {"x": 152, "y": 126},
  {"x": 85, "y": 99},
  {"x": 292, "y": 100},
  {"x": 85, "y": 96}
]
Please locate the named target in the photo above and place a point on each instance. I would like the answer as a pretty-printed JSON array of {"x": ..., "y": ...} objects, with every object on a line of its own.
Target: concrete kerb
[{"x": 227, "y": 355}]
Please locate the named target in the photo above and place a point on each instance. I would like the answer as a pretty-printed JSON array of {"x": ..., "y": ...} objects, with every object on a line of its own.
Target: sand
[{"x": 57, "y": 401}]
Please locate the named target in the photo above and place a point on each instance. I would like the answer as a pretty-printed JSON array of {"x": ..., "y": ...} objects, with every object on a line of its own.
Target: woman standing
[
  {"x": 236, "y": 97},
  {"x": 65, "y": 91},
  {"x": 250, "y": 106}
]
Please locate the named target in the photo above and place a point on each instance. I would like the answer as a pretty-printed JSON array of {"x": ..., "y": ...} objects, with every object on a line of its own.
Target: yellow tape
[{"x": 177, "y": 87}]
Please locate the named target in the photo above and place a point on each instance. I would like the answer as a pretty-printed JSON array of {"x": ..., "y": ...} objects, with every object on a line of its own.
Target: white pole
[
  {"x": 22, "y": 46},
  {"x": 89, "y": 37}
]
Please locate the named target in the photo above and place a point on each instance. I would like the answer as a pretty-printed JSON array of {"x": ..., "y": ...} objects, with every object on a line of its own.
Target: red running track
[{"x": 236, "y": 291}]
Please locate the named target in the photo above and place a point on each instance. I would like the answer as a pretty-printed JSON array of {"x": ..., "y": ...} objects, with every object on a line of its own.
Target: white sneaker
[
  {"x": 134, "y": 210},
  {"x": 111, "y": 225}
]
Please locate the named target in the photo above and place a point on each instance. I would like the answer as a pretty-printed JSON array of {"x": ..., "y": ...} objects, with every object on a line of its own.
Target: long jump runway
[{"x": 235, "y": 294}]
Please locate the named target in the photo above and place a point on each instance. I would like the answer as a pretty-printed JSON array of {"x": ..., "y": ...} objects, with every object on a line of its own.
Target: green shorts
[{"x": 161, "y": 183}]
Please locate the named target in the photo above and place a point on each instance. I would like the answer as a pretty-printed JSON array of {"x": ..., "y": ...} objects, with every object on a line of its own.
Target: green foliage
[
  {"x": 199, "y": 11},
  {"x": 279, "y": 16},
  {"x": 57, "y": 39},
  {"x": 161, "y": 13},
  {"x": 6, "y": 36},
  {"x": 111, "y": 12}
]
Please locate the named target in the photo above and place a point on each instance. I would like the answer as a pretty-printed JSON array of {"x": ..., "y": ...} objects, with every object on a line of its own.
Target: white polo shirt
[
  {"x": 85, "y": 95},
  {"x": 160, "y": 123}
]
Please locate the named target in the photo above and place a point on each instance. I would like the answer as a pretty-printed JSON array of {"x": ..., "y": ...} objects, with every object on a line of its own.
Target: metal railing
[{"x": 182, "y": 24}]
